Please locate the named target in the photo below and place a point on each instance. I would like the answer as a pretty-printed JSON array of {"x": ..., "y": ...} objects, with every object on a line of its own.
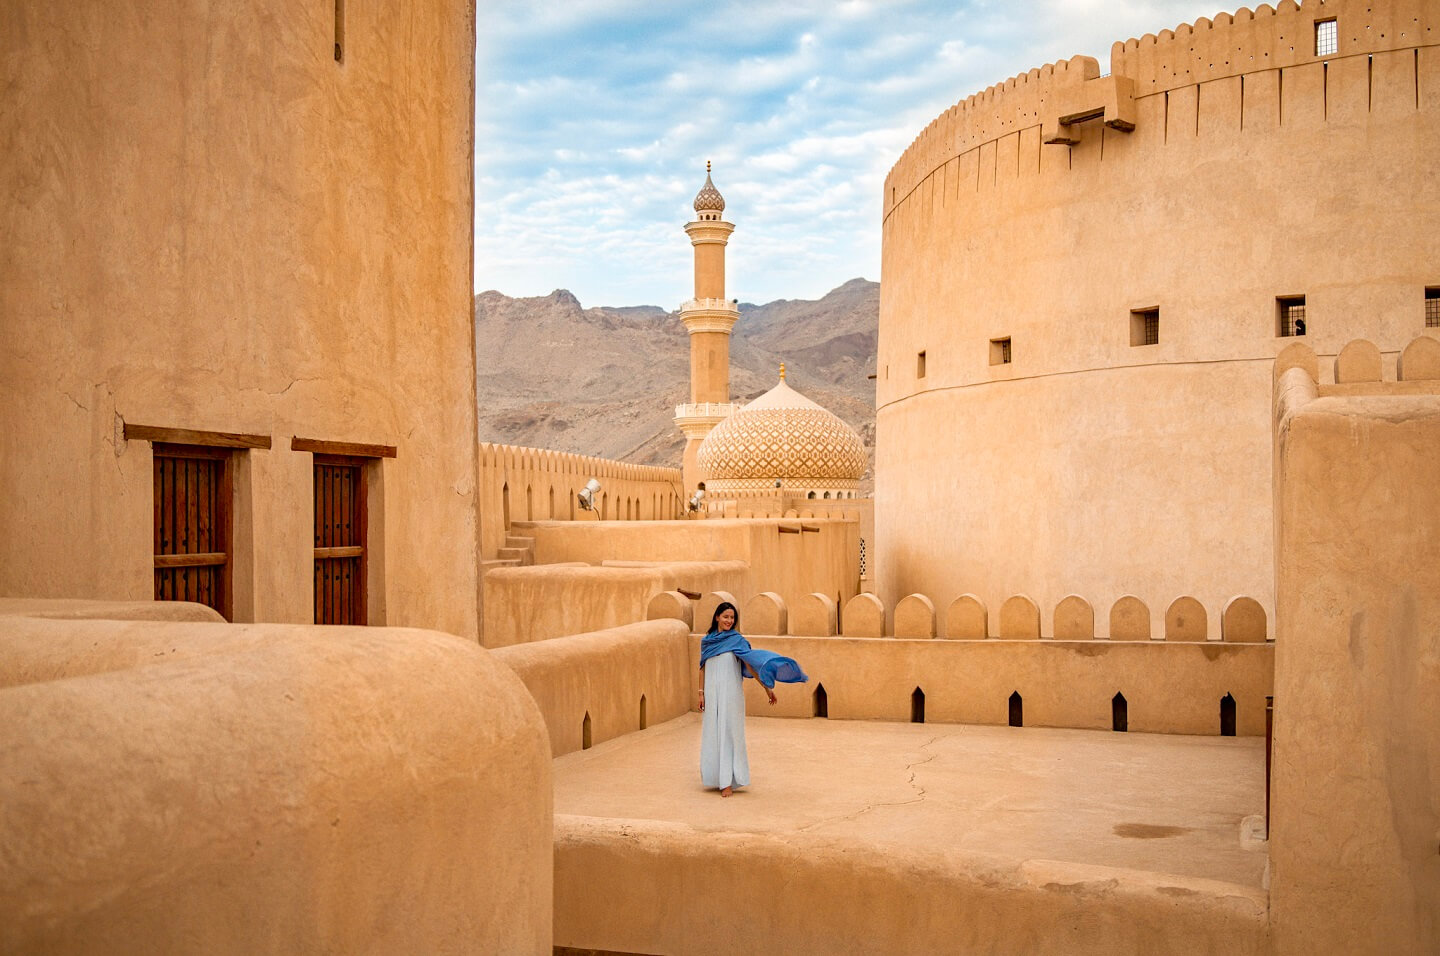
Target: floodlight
[{"x": 586, "y": 495}]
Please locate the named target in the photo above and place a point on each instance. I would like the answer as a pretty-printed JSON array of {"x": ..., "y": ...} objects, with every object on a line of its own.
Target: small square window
[
  {"x": 1145, "y": 326},
  {"x": 1432, "y": 307},
  {"x": 1290, "y": 313},
  {"x": 1327, "y": 37},
  {"x": 1000, "y": 351},
  {"x": 920, "y": 364}
]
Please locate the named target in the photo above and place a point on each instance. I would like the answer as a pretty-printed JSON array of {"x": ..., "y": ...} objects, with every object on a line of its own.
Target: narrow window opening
[
  {"x": 822, "y": 702},
  {"x": 1119, "y": 714},
  {"x": 1000, "y": 351},
  {"x": 1017, "y": 710},
  {"x": 1227, "y": 716},
  {"x": 917, "y": 707},
  {"x": 505, "y": 503},
  {"x": 1324, "y": 91},
  {"x": 1432, "y": 307},
  {"x": 529, "y": 504},
  {"x": 585, "y": 739},
  {"x": 1145, "y": 326},
  {"x": 339, "y": 31},
  {"x": 920, "y": 364},
  {"x": 1290, "y": 314},
  {"x": 1327, "y": 37},
  {"x": 644, "y": 718}
]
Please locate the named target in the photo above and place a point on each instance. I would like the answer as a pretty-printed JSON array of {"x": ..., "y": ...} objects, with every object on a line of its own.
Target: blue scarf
[{"x": 767, "y": 665}]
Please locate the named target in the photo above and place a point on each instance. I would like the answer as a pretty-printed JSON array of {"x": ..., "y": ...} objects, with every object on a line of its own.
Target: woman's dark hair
[{"x": 715, "y": 618}]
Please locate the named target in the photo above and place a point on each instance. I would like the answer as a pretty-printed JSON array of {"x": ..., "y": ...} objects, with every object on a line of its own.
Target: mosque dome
[
  {"x": 708, "y": 199},
  {"x": 784, "y": 437}
]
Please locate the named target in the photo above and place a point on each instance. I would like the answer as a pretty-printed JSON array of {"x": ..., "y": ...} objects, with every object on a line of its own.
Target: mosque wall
[
  {"x": 173, "y": 784},
  {"x": 1354, "y": 864},
  {"x": 1048, "y": 454},
  {"x": 214, "y": 225}
]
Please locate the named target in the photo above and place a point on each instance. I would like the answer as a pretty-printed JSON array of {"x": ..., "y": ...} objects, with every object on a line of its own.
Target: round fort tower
[{"x": 1086, "y": 280}]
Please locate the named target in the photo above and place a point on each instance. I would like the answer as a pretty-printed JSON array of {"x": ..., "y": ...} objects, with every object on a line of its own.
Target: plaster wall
[
  {"x": 604, "y": 676},
  {"x": 1169, "y": 688},
  {"x": 792, "y": 565},
  {"x": 1086, "y": 464},
  {"x": 548, "y": 601},
  {"x": 1356, "y": 862},
  {"x": 645, "y": 886},
  {"x": 212, "y": 224},
  {"x": 181, "y": 786}
]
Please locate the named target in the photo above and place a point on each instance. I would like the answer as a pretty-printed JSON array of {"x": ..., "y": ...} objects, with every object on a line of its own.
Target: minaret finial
[
  {"x": 707, "y": 167},
  {"x": 782, "y": 371}
]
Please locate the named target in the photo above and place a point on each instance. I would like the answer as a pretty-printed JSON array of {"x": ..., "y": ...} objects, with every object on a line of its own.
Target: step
[{"x": 518, "y": 541}]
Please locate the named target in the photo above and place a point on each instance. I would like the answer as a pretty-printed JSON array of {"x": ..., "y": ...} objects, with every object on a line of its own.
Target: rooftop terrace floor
[{"x": 1156, "y": 803}]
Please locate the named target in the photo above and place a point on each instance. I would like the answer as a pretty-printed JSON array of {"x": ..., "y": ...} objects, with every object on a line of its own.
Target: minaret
[{"x": 708, "y": 318}]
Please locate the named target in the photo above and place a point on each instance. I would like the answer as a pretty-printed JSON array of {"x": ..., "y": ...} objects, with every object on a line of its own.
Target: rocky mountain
[{"x": 605, "y": 381}]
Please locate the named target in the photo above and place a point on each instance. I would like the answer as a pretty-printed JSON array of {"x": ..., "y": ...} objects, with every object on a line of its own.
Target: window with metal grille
[
  {"x": 1000, "y": 351},
  {"x": 192, "y": 525},
  {"x": 1145, "y": 326},
  {"x": 1290, "y": 312},
  {"x": 1432, "y": 307},
  {"x": 1327, "y": 37}
]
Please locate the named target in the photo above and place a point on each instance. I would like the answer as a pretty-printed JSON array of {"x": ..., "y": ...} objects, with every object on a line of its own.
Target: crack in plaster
[{"x": 910, "y": 780}]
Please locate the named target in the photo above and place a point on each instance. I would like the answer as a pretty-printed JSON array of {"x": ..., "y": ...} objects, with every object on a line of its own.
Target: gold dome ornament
[{"x": 708, "y": 199}]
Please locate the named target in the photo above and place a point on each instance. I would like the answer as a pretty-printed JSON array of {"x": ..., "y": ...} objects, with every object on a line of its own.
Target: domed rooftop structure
[
  {"x": 708, "y": 199},
  {"x": 782, "y": 440}
]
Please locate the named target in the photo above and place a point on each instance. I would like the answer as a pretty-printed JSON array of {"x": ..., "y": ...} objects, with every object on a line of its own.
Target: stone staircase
[{"x": 519, "y": 552}]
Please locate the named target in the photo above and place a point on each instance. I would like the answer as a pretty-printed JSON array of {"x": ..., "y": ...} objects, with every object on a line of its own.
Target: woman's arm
[
  {"x": 752, "y": 673},
  {"x": 702, "y": 688}
]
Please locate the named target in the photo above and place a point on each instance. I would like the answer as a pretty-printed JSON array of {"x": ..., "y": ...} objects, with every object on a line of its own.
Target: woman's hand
[
  {"x": 702, "y": 700},
  {"x": 771, "y": 694}
]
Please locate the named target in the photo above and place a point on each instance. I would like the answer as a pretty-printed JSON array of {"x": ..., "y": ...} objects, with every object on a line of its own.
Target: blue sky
[{"x": 594, "y": 119}]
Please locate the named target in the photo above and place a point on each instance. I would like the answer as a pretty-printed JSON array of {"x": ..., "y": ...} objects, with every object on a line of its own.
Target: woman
[{"x": 726, "y": 659}]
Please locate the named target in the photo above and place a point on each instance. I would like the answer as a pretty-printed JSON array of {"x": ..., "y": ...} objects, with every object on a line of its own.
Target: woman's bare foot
[{"x": 726, "y": 792}]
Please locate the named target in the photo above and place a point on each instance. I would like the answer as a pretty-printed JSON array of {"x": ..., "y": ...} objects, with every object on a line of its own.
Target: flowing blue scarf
[{"x": 768, "y": 665}]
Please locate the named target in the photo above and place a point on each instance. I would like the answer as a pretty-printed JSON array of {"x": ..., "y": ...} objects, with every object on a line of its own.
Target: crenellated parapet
[
  {"x": 1252, "y": 47},
  {"x": 1000, "y": 110},
  {"x": 539, "y": 484},
  {"x": 1270, "y": 38}
]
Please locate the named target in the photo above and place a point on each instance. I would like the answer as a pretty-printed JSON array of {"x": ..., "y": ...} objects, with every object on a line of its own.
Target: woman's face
[{"x": 726, "y": 620}]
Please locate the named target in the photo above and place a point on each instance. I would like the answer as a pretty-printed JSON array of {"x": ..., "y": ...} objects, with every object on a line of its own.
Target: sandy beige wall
[
  {"x": 1169, "y": 688},
  {"x": 213, "y": 225},
  {"x": 1087, "y": 464},
  {"x": 639, "y": 886},
  {"x": 792, "y": 565},
  {"x": 535, "y": 484},
  {"x": 547, "y": 601},
  {"x": 1356, "y": 862},
  {"x": 605, "y": 676},
  {"x": 180, "y": 787}
]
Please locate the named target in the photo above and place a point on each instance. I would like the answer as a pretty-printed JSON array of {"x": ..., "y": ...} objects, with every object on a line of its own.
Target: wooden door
[
  {"x": 192, "y": 525},
  {"x": 340, "y": 564}
]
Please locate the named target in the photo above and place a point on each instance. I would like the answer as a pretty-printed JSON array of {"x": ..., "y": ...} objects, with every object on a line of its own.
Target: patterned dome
[
  {"x": 783, "y": 435},
  {"x": 709, "y": 198}
]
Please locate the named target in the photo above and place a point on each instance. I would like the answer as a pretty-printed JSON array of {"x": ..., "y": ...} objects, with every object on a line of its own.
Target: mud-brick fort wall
[
  {"x": 1253, "y": 169},
  {"x": 251, "y": 219}
]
